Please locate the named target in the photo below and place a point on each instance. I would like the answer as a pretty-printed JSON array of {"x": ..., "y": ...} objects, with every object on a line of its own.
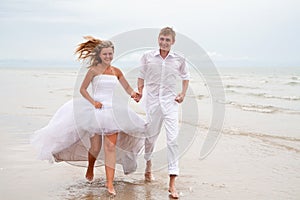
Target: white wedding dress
[{"x": 67, "y": 136}]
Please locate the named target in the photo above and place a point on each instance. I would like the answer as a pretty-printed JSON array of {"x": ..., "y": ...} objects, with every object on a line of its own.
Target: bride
[{"x": 76, "y": 130}]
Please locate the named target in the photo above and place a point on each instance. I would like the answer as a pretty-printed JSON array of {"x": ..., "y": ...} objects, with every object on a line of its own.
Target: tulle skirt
[{"x": 67, "y": 135}]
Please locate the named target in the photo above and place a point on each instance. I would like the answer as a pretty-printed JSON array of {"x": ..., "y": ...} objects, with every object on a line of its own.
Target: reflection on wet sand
[{"x": 127, "y": 189}]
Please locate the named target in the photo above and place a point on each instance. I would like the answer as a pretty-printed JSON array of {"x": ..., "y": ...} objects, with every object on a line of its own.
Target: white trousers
[{"x": 156, "y": 117}]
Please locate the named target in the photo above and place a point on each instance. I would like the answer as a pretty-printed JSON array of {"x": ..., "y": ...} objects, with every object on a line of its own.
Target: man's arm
[
  {"x": 180, "y": 96},
  {"x": 140, "y": 84}
]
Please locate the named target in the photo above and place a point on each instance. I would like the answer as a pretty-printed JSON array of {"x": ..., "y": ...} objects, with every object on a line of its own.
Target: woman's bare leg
[
  {"x": 92, "y": 156},
  {"x": 110, "y": 160}
]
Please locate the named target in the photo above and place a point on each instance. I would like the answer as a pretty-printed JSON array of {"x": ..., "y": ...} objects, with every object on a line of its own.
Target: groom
[{"x": 159, "y": 70}]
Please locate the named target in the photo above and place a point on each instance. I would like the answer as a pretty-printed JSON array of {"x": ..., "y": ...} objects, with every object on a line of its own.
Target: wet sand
[{"x": 243, "y": 165}]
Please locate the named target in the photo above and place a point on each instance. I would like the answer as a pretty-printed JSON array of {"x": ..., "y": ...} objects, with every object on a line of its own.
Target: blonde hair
[
  {"x": 89, "y": 51},
  {"x": 168, "y": 31}
]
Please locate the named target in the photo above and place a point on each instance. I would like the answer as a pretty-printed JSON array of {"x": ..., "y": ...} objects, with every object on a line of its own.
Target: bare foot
[
  {"x": 173, "y": 193},
  {"x": 111, "y": 191},
  {"x": 149, "y": 177},
  {"x": 89, "y": 173},
  {"x": 148, "y": 174}
]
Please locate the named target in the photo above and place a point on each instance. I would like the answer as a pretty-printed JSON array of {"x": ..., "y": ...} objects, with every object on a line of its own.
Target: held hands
[
  {"x": 136, "y": 96},
  {"x": 97, "y": 105},
  {"x": 180, "y": 97}
]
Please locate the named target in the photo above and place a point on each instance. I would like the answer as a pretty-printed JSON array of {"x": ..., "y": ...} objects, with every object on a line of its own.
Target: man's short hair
[{"x": 168, "y": 31}]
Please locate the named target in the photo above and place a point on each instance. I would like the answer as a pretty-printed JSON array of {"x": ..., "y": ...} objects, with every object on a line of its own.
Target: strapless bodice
[{"x": 103, "y": 88}]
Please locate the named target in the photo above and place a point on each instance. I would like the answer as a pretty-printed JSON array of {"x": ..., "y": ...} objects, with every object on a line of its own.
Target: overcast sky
[{"x": 233, "y": 32}]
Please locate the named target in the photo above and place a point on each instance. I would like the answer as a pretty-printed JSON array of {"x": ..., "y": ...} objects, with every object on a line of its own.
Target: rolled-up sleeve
[{"x": 184, "y": 71}]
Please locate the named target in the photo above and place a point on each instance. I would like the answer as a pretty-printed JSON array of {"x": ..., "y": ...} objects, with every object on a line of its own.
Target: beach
[{"x": 257, "y": 155}]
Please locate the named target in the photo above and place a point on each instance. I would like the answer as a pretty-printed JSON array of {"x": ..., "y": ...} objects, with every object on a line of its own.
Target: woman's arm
[
  {"x": 125, "y": 83},
  {"x": 84, "y": 85}
]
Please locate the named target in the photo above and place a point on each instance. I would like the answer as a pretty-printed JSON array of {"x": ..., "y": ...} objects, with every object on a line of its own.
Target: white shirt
[{"x": 161, "y": 76}]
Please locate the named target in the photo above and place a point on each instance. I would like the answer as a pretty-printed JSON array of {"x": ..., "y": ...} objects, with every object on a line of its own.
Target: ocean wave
[
  {"x": 260, "y": 135},
  {"x": 265, "y": 95},
  {"x": 290, "y": 98},
  {"x": 288, "y": 143},
  {"x": 225, "y": 77},
  {"x": 241, "y": 86},
  {"x": 67, "y": 74},
  {"x": 264, "y": 81},
  {"x": 263, "y": 108},
  {"x": 295, "y": 78},
  {"x": 293, "y": 83},
  {"x": 283, "y": 142},
  {"x": 33, "y": 107}
]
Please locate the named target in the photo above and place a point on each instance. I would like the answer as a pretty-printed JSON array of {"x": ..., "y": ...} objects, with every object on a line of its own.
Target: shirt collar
[{"x": 171, "y": 53}]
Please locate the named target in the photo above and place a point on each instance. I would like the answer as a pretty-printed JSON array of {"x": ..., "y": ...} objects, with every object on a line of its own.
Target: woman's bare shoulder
[
  {"x": 93, "y": 70},
  {"x": 117, "y": 71}
]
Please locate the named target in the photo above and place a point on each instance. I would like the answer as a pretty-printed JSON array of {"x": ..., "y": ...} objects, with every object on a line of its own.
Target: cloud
[
  {"x": 50, "y": 29},
  {"x": 35, "y": 11}
]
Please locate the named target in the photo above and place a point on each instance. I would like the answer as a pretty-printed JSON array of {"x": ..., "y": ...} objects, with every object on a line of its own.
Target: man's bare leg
[{"x": 172, "y": 189}]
